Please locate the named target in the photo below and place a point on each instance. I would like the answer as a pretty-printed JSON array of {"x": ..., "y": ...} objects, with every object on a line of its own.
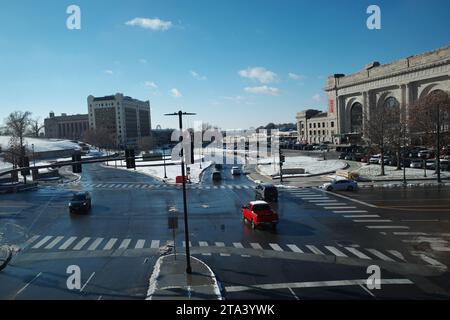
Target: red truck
[{"x": 259, "y": 213}]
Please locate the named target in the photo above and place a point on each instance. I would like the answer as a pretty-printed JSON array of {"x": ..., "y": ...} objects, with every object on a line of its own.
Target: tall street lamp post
[{"x": 180, "y": 115}]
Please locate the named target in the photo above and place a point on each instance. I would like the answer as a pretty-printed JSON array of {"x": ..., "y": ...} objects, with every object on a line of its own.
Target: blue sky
[{"x": 236, "y": 63}]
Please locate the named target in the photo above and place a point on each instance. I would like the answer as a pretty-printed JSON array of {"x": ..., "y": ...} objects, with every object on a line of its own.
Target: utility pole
[
  {"x": 438, "y": 144},
  {"x": 281, "y": 165},
  {"x": 403, "y": 155},
  {"x": 180, "y": 115},
  {"x": 164, "y": 159}
]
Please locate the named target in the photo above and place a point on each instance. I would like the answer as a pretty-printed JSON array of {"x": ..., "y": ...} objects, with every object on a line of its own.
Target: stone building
[
  {"x": 352, "y": 98},
  {"x": 315, "y": 126},
  {"x": 66, "y": 126},
  {"x": 126, "y": 118}
]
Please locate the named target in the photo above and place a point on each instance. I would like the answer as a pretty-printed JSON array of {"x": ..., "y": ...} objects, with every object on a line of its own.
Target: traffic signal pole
[{"x": 281, "y": 156}]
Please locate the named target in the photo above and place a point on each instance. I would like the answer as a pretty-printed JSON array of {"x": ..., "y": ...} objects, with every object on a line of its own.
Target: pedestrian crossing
[
  {"x": 49, "y": 243},
  {"x": 346, "y": 210},
  {"x": 143, "y": 186}
]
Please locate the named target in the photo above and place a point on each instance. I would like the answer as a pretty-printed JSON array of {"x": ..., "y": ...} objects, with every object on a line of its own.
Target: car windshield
[
  {"x": 261, "y": 207},
  {"x": 79, "y": 197}
]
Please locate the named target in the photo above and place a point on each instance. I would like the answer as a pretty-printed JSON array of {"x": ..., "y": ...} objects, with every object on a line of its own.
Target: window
[
  {"x": 318, "y": 125},
  {"x": 332, "y": 124},
  {"x": 356, "y": 115}
]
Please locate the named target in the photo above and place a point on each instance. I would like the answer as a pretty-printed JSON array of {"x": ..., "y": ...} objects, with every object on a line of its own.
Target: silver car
[{"x": 340, "y": 184}]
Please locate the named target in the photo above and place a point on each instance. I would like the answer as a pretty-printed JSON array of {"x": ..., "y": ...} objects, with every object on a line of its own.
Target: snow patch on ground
[
  {"x": 311, "y": 165},
  {"x": 372, "y": 171},
  {"x": 42, "y": 145}
]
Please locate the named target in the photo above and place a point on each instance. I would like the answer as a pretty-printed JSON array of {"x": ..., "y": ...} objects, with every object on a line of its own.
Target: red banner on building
[{"x": 331, "y": 106}]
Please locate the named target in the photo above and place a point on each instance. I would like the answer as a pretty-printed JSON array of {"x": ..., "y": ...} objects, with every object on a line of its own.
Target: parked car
[
  {"x": 416, "y": 163},
  {"x": 340, "y": 184},
  {"x": 443, "y": 164},
  {"x": 375, "y": 159},
  {"x": 80, "y": 202},
  {"x": 259, "y": 213},
  {"x": 349, "y": 156},
  {"x": 267, "y": 192},
  {"x": 236, "y": 171},
  {"x": 414, "y": 152},
  {"x": 216, "y": 176},
  {"x": 425, "y": 154}
]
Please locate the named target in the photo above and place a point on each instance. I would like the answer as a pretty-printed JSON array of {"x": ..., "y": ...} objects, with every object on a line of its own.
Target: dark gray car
[
  {"x": 266, "y": 192},
  {"x": 80, "y": 202}
]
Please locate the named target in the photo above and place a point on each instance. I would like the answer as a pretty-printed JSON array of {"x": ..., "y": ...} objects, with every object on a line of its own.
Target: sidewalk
[{"x": 170, "y": 281}]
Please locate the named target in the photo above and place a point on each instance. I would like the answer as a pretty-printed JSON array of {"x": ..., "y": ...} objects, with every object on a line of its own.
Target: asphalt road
[{"x": 320, "y": 250}]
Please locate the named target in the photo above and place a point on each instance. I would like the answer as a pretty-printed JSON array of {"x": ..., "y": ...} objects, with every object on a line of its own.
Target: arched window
[
  {"x": 391, "y": 103},
  {"x": 356, "y": 117}
]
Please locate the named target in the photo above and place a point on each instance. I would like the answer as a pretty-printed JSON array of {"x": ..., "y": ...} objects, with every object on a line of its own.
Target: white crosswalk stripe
[
  {"x": 54, "y": 242},
  {"x": 350, "y": 211},
  {"x": 222, "y": 245},
  {"x": 110, "y": 244},
  {"x": 275, "y": 247},
  {"x": 239, "y": 245},
  {"x": 362, "y": 216},
  {"x": 338, "y": 208},
  {"x": 204, "y": 244},
  {"x": 372, "y": 221},
  {"x": 397, "y": 254},
  {"x": 42, "y": 242},
  {"x": 95, "y": 244},
  {"x": 256, "y": 246},
  {"x": 68, "y": 242},
  {"x": 336, "y": 251},
  {"x": 380, "y": 255},
  {"x": 125, "y": 243},
  {"x": 358, "y": 253},
  {"x": 184, "y": 244},
  {"x": 140, "y": 244},
  {"x": 314, "y": 249},
  {"x": 155, "y": 244},
  {"x": 387, "y": 227},
  {"x": 81, "y": 244},
  {"x": 31, "y": 240},
  {"x": 294, "y": 248}
]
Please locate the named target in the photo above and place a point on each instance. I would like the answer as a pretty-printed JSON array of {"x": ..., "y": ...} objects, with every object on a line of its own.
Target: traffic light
[
  {"x": 130, "y": 158},
  {"x": 192, "y": 151},
  {"x": 77, "y": 168},
  {"x": 282, "y": 158},
  {"x": 25, "y": 163}
]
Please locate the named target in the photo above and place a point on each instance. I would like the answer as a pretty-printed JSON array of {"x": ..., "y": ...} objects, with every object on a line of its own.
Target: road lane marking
[
  {"x": 373, "y": 220},
  {"x": 110, "y": 244},
  {"x": 92, "y": 275},
  {"x": 411, "y": 234},
  {"x": 323, "y": 201},
  {"x": 397, "y": 254},
  {"x": 350, "y": 211},
  {"x": 387, "y": 227},
  {"x": 204, "y": 244},
  {"x": 54, "y": 242},
  {"x": 31, "y": 240},
  {"x": 26, "y": 286},
  {"x": 125, "y": 243},
  {"x": 294, "y": 248},
  {"x": 275, "y": 247},
  {"x": 222, "y": 245},
  {"x": 367, "y": 290},
  {"x": 362, "y": 216},
  {"x": 184, "y": 244},
  {"x": 315, "y": 284},
  {"x": 334, "y": 208},
  {"x": 350, "y": 199},
  {"x": 155, "y": 244},
  {"x": 95, "y": 244},
  {"x": 430, "y": 260},
  {"x": 380, "y": 255},
  {"x": 82, "y": 243},
  {"x": 293, "y": 293},
  {"x": 239, "y": 245},
  {"x": 41, "y": 243},
  {"x": 314, "y": 249},
  {"x": 66, "y": 244},
  {"x": 336, "y": 251},
  {"x": 256, "y": 246},
  {"x": 358, "y": 253},
  {"x": 140, "y": 244}
]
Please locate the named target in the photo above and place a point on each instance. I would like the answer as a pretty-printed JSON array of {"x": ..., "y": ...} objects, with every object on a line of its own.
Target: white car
[
  {"x": 236, "y": 171},
  {"x": 340, "y": 184},
  {"x": 416, "y": 164},
  {"x": 375, "y": 159}
]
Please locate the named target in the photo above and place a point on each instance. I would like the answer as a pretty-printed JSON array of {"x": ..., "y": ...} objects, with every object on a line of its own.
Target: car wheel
[
  {"x": 329, "y": 188},
  {"x": 349, "y": 188}
]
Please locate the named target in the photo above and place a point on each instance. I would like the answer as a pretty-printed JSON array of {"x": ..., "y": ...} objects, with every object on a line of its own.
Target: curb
[{"x": 398, "y": 185}]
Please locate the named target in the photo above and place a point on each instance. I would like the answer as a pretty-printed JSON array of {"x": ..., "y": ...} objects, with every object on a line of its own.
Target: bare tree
[
  {"x": 17, "y": 123},
  {"x": 382, "y": 128},
  {"x": 147, "y": 143},
  {"x": 36, "y": 127},
  {"x": 101, "y": 138}
]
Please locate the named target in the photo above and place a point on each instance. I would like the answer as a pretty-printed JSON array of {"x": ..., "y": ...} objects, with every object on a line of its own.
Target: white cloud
[
  {"x": 295, "y": 76},
  {"x": 143, "y": 61},
  {"x": 151, "y": 84},
  {"x": 153, "y": 24},
  {"x": 197, "y": 76},
  {"x": 175, "y": 93},
  {"x": 317, "y": 97},
  {"x": 110, "y": 72},
  {"x": 263, "y": 90},
  {"x": 260, "y": 74}
]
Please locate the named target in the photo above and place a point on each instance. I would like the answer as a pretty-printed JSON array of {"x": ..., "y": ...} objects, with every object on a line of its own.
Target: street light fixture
[{"x": 180, "y": 115}]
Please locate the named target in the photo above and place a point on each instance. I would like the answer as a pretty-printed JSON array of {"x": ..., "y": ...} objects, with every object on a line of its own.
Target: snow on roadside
[
  {"x": 373, "y": 171},
  {"x": 42, "y": 145}
]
